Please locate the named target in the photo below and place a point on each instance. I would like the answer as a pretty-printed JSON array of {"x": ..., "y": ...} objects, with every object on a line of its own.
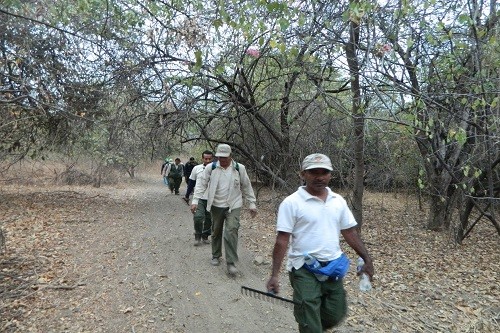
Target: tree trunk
[
  {"x": 359, "y": 123},
  {"x": 442, "y": 199}
]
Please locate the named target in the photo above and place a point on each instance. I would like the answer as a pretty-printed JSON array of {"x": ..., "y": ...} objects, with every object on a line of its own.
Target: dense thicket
[{"x": 399, "y": 94}]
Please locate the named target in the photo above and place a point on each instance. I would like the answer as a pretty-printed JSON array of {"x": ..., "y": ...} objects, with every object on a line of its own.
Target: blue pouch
[{"x": 335, "y": 269}]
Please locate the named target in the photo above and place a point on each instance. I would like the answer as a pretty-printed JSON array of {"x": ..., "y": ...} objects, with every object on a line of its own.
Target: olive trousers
[
  {"x": 320, "y": 305},
  {"x": 225, "y": 224},
  {"x": 202, "y": 221}
]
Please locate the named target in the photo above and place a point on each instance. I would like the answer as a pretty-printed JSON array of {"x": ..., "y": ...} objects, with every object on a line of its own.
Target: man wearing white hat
[
  {"x": 225, "y": 184},
  {"x": 312, "y": 220}
]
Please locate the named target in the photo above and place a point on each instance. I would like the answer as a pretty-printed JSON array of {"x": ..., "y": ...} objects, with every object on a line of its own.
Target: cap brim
[
  {"x": 222, "y": 155},
  {"x": 319, "y": 166}
]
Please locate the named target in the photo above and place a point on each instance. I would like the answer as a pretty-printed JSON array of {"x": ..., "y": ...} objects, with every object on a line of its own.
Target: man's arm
[
  {"x": 354, "y": 240},
  {"x": 247, "y": 191},
  {"x": 201, "y": 186},
  {"x": 279, "y": 251}
]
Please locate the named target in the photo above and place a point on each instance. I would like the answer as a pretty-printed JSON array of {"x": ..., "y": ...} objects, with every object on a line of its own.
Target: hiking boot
[
  {"x": 197, "y": 242},
  {"x": 186, "y": 200},
  {"x": 231, "y": 269},
  {"x": 215, "y": 262},
  {"x": 206, "y": 241}
]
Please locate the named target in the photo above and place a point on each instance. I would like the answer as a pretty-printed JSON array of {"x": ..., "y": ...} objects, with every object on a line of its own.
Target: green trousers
[
  {"x": 225, "y": 223},
  {"x": 202, "y": 221},
  {"x": 321, "y": 305},
  {"x": 174, "y": 183}
]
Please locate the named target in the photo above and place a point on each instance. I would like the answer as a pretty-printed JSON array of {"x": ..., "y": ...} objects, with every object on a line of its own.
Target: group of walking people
[{"x": 310, "y": 222}]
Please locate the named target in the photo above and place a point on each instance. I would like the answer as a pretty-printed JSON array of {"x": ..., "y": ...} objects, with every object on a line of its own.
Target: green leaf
[
  {"x": 466, "y": 170},
  {"x": 464, "y": 19},
  {"x": 494, "y": 102},
  {"x": 199, "y": 62},
  {"x": 217, "y": 23},
  {"x": 219, "y": 70},
  {"x": 284, "y": 23},
  {"x": 461, "y": 136}
]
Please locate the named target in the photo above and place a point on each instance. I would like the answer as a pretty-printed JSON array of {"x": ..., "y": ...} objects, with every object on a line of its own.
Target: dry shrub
[{"x": 73, "y": 177}]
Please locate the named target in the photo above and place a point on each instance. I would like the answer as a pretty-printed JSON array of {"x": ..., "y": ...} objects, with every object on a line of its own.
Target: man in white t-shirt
[
  {"x": 201, "y": 217},
  {"x": 312, "y": 220}
]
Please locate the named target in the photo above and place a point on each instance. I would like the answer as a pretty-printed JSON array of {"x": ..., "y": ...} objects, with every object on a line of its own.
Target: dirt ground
[{"x": 120, "y": 258}]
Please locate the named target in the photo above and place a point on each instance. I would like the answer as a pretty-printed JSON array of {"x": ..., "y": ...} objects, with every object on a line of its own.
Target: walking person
[
  {"x": 312, "y": 220},
  {"x": 174, "y": 172},
  {"x": 226, "y": 184},
  {"x": 164, "y": 169},
  {"x": 188, "y": 169},
  {"x": 201, "y": 217}
]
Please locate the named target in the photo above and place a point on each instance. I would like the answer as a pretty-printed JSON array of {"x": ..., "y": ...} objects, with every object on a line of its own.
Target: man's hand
[
  {"x": 368, "y": 269},
  {"x": 253, "y": 212},
  {"x": 273, "y": 285},
  {"x": 193, "y": 208}
]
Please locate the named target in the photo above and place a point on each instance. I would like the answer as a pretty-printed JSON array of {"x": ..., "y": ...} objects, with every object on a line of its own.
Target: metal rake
[{"x": 267, "y": 296}]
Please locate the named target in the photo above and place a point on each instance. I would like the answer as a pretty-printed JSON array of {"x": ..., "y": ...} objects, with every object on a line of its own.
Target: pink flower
[
  {"x": 386, "y": 48},
  {"x": 253, "y": 53}
]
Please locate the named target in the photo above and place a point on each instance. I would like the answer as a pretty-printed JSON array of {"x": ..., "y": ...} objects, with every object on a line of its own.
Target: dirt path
[
  {"x": 121, "y": 259},
  {"x": 139, "y": 272}
]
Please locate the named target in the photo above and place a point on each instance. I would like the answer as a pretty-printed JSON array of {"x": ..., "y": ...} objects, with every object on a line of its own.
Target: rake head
[{"x": 267, "y": 296}]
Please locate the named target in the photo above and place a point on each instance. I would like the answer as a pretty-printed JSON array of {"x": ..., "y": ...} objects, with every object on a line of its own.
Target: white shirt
[
  {"x": 221, "y": 197},
  {"x": 314, "y": 225},
  {"x": 197, "y": 170},
  {"x": 197, "y": 174}
]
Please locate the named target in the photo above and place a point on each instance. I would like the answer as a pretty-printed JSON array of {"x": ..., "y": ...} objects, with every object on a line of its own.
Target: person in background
[
  {"x": 202, "y": 218},
  {"x": 225, "y": 185},
  {"x": 164, "y": 168},
  {"x": 312, "y": 220},
  {"x": 188, "y": 169},
  {"x": 174, "y": 172}
]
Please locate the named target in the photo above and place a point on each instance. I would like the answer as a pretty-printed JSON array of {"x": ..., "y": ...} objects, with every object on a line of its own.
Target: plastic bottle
[
  {"x": 364, "y": 280},
  {"x": 314, "y": 263}
]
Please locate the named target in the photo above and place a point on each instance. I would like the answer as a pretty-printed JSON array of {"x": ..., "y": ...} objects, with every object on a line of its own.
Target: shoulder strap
[{"x": 235, "y": 164}]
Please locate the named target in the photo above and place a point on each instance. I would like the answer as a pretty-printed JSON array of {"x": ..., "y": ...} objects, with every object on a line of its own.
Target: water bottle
[
  {"x": 314, "y": 263},
  {"x": 364, "y": 279}
]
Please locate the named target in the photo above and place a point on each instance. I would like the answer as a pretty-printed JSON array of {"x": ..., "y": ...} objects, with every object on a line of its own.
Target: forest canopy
[{"x": 401, "y": 95}]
